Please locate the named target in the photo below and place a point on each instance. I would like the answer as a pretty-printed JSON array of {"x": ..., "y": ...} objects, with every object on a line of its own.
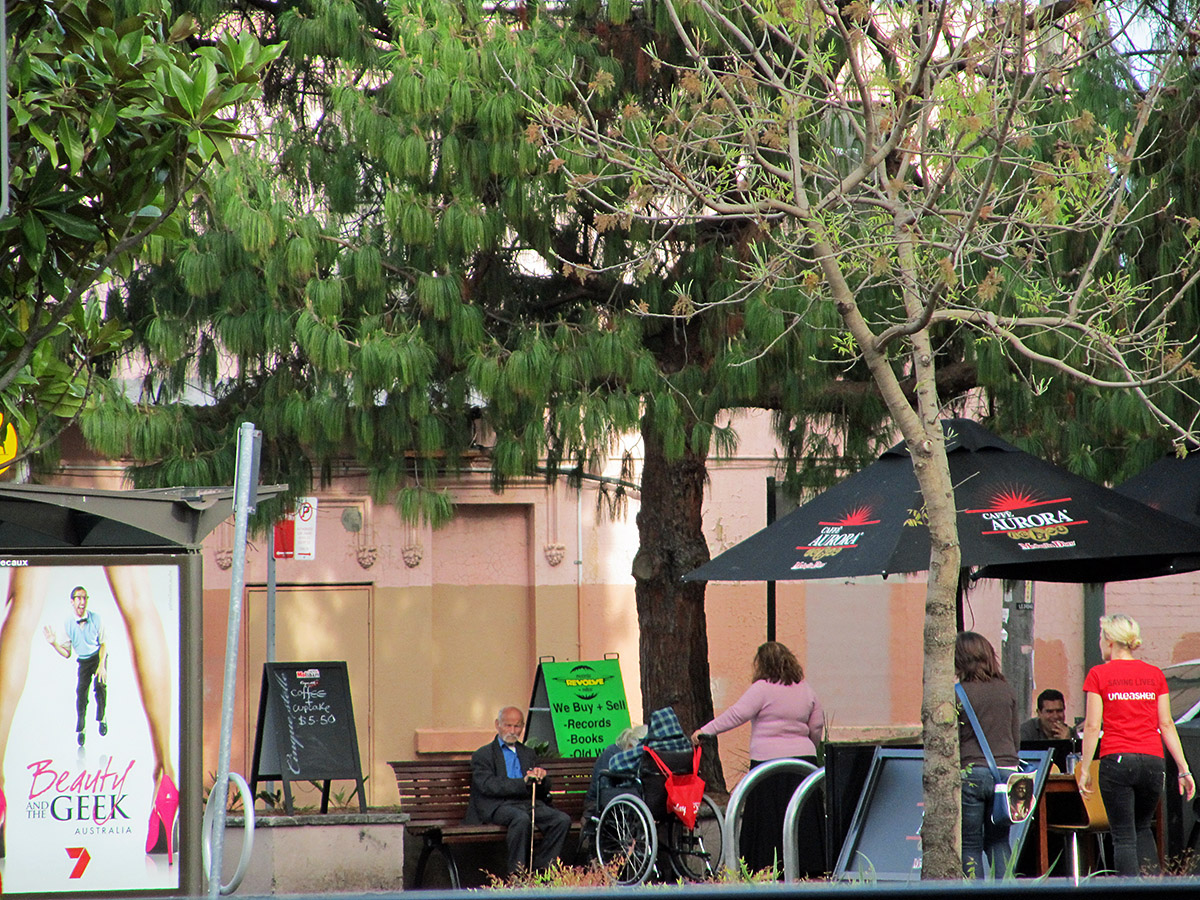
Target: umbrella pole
[{"x": 770, "y": 584}]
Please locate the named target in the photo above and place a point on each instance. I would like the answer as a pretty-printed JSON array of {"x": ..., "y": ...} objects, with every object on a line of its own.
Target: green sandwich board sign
[{"x": 577, "y": 708}]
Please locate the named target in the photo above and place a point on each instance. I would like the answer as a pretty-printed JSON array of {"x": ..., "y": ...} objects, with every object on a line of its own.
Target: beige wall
[
  {"x": 318, "y": 623},
  {"x": 439, "y": 631},
  {"x": 440, "y": 628},
  {"x": 860, "y": 645}
]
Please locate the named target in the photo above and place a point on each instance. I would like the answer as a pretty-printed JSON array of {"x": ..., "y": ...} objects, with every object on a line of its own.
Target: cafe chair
[{"x": 1095, "y": 821}]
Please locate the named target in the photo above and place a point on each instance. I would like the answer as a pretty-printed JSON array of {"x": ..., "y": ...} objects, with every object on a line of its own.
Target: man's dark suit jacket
[{"x": 491, "y": 787}]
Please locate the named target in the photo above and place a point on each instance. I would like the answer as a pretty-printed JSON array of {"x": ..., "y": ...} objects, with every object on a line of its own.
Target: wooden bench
[{"x": 435, "y": 796}]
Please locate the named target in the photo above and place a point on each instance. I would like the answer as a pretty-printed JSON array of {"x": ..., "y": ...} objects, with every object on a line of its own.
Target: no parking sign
[{"x": 296, "y": 533}]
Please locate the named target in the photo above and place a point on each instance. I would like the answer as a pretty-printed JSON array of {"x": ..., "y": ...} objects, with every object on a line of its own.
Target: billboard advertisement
[{"x": 89, "y": 725}]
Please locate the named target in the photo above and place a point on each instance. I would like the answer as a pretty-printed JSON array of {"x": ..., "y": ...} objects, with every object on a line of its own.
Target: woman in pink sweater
[{"x": 786, "y": 721}]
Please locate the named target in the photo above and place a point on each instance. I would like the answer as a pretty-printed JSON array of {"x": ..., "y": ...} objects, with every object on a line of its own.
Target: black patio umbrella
[
  {"x": 1171, "y": 485},
  {"x": 1019, "y": 517}
]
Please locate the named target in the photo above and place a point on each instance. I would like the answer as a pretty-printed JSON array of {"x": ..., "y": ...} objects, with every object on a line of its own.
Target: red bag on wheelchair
[{"x": 684, "y": 790}]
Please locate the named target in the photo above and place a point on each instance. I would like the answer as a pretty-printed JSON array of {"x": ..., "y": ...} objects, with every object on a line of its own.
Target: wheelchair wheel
[
  {"x": 627, "y": 838},
  {"x": 695, "y": 853}
]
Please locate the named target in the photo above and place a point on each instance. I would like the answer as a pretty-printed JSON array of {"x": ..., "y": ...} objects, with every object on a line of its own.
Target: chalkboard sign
[{"x": 306, "y": 728}]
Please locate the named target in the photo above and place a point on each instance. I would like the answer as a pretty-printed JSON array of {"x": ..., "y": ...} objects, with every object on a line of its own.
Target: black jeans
[
  {"x": 87, "y": 673},
  {"x": 1131, "y": 785}
]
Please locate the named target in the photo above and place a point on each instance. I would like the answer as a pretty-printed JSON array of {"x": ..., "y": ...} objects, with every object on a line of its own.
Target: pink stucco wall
[{"x": 454, "y": 622}]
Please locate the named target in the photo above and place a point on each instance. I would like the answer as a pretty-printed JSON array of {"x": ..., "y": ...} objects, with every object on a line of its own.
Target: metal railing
[{"x": 737, "y": 800}]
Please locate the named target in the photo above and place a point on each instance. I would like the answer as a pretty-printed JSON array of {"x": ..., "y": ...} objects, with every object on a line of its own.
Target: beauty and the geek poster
[{"x": 89, "y": 726}]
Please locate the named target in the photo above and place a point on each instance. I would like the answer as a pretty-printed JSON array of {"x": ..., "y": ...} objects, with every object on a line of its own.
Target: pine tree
[{"x": 400, "y": 270}]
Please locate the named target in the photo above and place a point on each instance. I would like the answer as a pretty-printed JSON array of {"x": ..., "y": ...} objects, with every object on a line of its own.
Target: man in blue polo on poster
[{"x": 85, "y": 638}]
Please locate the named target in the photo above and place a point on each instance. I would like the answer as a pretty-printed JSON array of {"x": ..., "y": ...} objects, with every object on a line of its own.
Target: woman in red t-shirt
[{"x": 1128, "y": 698}]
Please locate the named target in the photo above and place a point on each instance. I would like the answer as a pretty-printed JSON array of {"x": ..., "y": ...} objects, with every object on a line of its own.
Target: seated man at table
[
  {"x": 504, "y": 773},
  {"x": 1050, "y": 722}
]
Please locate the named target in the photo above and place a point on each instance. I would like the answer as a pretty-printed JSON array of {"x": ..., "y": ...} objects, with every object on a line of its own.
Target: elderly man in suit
[{"x": 503, "y": 773}]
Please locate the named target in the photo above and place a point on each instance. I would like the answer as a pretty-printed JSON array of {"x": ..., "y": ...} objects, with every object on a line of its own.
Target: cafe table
[{"x": 1060, "y": 802}]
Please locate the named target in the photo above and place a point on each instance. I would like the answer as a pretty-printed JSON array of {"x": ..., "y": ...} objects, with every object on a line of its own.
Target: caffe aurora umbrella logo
[
  {"x": 1025, "y": 517},
  {"x": 836, "y": 536},
  {"x": 1018, "y": 517}
]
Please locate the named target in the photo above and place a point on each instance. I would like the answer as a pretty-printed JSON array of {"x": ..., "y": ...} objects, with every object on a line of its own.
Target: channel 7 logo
[{"x": 81, "y": 857}]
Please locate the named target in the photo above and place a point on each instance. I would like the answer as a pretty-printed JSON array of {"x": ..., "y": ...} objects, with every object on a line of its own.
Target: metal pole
[
  {"x": 532, "y": 822},
  {"x": 791, "y": 817},
  {"x": 270, "y": 785},
  {"x": 1093, "y": 609},
  {"x": 241, "y": 508},
  {"x": 1016, "y": 640},
  {"x": 271, "y": 594}
]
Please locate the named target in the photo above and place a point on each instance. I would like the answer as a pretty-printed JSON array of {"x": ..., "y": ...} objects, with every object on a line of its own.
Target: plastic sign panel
[
  {"x": 8, "y": 444},
  {"x": 91, "y": 763},
  {"x": 296, "y": 532},
  {"x": 306, "y": 528},
  {"x": 587, "y": 704},
  {"x": 884, "y": 839}
]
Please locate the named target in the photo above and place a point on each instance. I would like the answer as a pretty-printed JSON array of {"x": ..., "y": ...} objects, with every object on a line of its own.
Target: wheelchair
[{"x": 639, "y": 837}]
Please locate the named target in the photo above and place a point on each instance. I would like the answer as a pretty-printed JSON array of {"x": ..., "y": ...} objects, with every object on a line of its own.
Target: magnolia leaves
[{"x": 112, "y": 123}]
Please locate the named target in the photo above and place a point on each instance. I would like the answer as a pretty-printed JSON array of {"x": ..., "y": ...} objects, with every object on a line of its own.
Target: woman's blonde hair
[{"x": 1120, "y": 629}]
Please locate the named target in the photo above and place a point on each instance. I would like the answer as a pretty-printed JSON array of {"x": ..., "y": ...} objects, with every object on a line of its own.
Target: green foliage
[
  {"x": 454, "y": 285},
  {"x": 532, "y": 231},
  {"x": 455, "y": 244},
  {"x": 558, "y": 875}
]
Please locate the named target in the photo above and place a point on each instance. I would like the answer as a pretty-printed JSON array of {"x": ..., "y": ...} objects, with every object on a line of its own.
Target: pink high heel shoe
[{"x": 162, "y": 818}]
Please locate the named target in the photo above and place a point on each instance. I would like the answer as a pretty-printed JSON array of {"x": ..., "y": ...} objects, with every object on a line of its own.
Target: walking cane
[{"x": 532, "y": 806}]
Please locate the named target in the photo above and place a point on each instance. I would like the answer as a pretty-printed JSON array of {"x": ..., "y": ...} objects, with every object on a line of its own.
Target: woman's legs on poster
[
  {"x": 24, "y": 600},
  {"x": 152, "y": 667}
]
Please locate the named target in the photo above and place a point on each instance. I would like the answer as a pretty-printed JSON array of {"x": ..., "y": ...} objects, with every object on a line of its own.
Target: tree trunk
[
  {"x": 673, "y": 634},
  {"x": 941, "y": 829}
]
